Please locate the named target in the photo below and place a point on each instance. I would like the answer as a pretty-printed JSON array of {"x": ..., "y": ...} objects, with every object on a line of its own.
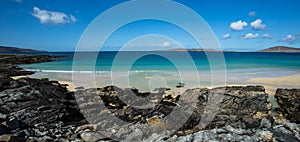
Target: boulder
[
  {"x": 240, "y": 107},
  {"x": 289, "y": 103}
]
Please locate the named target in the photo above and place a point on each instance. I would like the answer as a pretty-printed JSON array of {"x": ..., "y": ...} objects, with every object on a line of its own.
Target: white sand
[
  {"x": 271, "y": 84},
  {"x": 17, "y": 77},
  {"x": 70, "y": 86}
]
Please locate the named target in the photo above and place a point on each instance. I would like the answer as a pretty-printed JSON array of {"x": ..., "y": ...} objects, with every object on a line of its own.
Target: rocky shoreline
[
  {"x": 9, "y": 62},
  {"x": 43, "y": 110}
]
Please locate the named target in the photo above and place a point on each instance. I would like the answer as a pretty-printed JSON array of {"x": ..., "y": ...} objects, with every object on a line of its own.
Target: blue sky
[{"x": 241, "y": 25}]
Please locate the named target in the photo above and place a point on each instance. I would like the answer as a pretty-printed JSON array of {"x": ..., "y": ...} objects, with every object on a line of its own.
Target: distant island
[
  {"x": 271, "y": 49},
  {"x": 281, "y": 49},
  {"x": 6, "y": 49},
  {"x": 194, "y": 50}
]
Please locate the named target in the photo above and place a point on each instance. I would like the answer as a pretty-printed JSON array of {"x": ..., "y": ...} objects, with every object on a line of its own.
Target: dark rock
[
  {"x": 3, "y": 130},
  {"x": 285, "y": 137},
  {"x": 13, "y": 123},
  {"x": 43, "y": 108},
  {"x": 241, "y": 107},
  {"x": 180, "y": 85},
  {"x": 8, "y": 63},
  {"x": 4, "y": 83},
  {"x": 35, "y": 102},
  {"x": 45, "y": 79},
  {"x": 289, "y": 103},
  {"x": 244, "y": 108}
]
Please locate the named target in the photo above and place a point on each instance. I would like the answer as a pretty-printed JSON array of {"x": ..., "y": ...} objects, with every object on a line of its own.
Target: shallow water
[{"x": 148, "y": 70}]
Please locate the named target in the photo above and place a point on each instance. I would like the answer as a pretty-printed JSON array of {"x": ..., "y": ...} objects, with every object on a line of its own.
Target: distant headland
[
  {"x": 281, "y": 49},
  {"x": 271, "y": 49},
  {"x": 6, "y": 49}
]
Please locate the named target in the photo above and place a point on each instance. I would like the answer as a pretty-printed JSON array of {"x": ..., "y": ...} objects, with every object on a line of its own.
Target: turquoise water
[
  {"x": 140, "y": 67},
  {"x": 156, "y": 61}
]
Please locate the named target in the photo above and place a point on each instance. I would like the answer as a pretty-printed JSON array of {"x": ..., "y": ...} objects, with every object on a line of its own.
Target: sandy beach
[{"x": 271, "y": 84}]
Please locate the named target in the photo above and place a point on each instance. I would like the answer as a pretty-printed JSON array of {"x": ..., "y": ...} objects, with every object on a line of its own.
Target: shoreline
[{"x": 271, "y": 84}]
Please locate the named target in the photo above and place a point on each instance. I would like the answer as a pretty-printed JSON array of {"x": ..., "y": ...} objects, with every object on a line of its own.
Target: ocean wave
[
  {"x": 89, "y": 72},
  {"x": 65, "y": 71}
]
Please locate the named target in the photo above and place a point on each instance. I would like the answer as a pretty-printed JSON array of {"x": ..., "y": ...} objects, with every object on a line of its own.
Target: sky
[{"x": 239, "y": 25}]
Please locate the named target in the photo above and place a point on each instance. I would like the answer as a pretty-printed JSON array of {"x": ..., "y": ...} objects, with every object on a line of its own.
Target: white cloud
[
  {"x": 252, "y": 13},
  {"x": 289, "y": 39},
  {"x": 52, "y": 17},
  {"x": 257, "y": 25},
  {"x": 266, "y": 36},
  {"x": 249, "y": 36},
  {"x": 238, "y": 25},
  {"x": 165, "y": 44},
  {"x": 226, "y": 36}
]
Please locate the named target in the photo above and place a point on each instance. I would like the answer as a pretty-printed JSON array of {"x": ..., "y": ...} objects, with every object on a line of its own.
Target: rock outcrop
[
  {"x": 9, "y": 62},
  {"x": 42, "y": 110},
  {"x": 240, "y": 107},
  {"x": 37, "y": 108},
  {"x": 289, "y": 103}
]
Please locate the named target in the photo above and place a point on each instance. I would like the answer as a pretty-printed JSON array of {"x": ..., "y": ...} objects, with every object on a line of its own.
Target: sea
[{"x": 150, "y": 70}]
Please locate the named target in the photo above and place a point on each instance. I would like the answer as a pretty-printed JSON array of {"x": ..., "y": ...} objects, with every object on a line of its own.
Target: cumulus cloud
[
  {"x": 226, "y": 36},
  {"x": 165, "y": 44},
  {"x": 289, "y": 39},
  {"x": 258, "y": 25},
  {"x": 238, "y": 25},
  {"x": 266, "y": 36},
  {"x": 252, "y": 13},
  {"x": 52, "y": 17},
  {"x": 249, "y": 36}
]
